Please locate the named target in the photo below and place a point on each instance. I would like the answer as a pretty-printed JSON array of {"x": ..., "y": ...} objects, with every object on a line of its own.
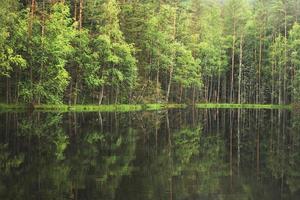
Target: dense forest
[{"x": 139, "y": 51}]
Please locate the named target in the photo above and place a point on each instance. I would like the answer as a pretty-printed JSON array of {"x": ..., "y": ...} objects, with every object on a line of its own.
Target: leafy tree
[
  {"x": 80, "y": 65},
  {"x": 278, "y": 58},
  {"x": 11, "y": 30},
  {"x": 115, "y": 58},
  {"x": 115, "y": 51},
  {"x": 294, "y": 40},
  {"x": 50, "y": 48}
]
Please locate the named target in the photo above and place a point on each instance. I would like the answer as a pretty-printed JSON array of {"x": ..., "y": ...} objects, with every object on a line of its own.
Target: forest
[{"x": 149, "y": 51}]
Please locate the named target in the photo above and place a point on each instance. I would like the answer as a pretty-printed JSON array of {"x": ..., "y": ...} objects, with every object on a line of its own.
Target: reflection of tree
[
  {"x": 40, "y": 161},
  {"x": 190, "y": 164},
  {"x": 98, "y": 161},
  {"x": 198, "y": 155},
  {"x": 284, "y": 155},
  {"x": 151, "y": 155},
  {"x": 40, "y": 141},
  {"x": 266, "y": 151}
]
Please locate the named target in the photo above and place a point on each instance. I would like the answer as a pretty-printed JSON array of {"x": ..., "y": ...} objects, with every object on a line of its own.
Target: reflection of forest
[{"x": 192, "y": 154}]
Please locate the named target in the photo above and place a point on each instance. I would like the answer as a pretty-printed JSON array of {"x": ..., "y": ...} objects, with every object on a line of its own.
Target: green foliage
[
  {"x": 49, "y": 55},
  {"x": 187, "y": 72},
  {"x": 81, "y": 65},
  {"x": 111, "y": 51},
  {"x": 11, "y": 32},
  {"x": 294, "y": 40}
]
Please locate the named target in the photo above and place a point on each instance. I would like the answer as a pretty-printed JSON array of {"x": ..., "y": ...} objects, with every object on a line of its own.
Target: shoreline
[{"x": 134, "y": 107}]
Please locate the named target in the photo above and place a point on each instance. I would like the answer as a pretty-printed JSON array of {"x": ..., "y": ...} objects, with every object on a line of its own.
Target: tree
[
  {"x": 211, "y": 51},
  {"x": 12, "y": 31},
  {"x": 186, "y": 69},
  {"x": 294, "y": 41},
  {"x": 80, "y": 65},
  {"x": 235, "y": 19},
  {"x": 278, "y": 58},
  {"x": 48, "y": 55},
  {"x": 114, "y": 56}
]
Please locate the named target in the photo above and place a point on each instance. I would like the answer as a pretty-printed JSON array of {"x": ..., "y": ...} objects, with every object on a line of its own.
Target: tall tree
[
  {"x": 49, "y": 56},
  {"x": 12, "y": 34},
  {"x": 116, "y": 57}
]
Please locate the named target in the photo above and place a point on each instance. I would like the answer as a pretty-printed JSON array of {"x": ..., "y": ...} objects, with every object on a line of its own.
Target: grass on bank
[
  {"x": 245, "y": 106},
  {"x": 90, "y": 108},
  {"x": 133, "y": 107}
]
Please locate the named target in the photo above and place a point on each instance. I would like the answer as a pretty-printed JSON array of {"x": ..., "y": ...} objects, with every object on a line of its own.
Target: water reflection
[{"x": 187, "y": 154}]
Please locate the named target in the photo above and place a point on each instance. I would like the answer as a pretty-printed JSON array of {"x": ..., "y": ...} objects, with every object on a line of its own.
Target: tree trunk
[
  {"x": 169, "y": 83},
  {"x": 180, "y": 95},
  {"x": 117, "y": 94},
  {"x": 80, "y": 13},
  {"x": 157, "y": 85},
  {"x": 7, "y": 90},
  {"x": 194, "y": 94},
  {"x": 285, "y": 56},
  {"x": 75, "y": 92},
  {"x": 219, "y": 83},
  {"x": 259, "y": 69},
  {"x": 211, "y": 89},
  {"x": 75, "y": 10},
  {"x": 173, "y": 57},
  {"x": 101, "y": 95},
  {"x": 70, "y": 92},
  {"x": 232, "y": 63},
  {"x": 240, "y": 69},
  {"x": 32, "y": 9},
  {"x": 272, "y": 91}
]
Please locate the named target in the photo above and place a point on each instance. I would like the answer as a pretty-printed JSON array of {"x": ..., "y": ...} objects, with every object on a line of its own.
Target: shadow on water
[{"x": 174, "y": 154}]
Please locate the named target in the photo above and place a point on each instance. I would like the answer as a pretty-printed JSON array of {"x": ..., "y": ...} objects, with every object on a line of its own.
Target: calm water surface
[{"x": 175, "y": 154}]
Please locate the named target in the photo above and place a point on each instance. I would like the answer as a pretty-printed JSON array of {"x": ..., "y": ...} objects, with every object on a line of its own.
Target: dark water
[{"x": 187, "y": 154}]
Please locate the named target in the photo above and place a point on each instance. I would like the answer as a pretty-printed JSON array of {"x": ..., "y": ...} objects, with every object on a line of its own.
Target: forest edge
[{"x": 135, "y": 107}]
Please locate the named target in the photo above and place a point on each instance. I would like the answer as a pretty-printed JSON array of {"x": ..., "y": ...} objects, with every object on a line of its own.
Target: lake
[{"x": 176, "y": 154}]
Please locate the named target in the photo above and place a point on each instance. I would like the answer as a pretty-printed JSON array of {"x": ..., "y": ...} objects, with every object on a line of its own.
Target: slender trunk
[
  {"x": 194, "y": 94},
  {"x": 180, "y": 95},
  {"x": 171, "y": 68},
  {"x": 211, "y": 88},
  {"x": 219, "y": 83},
  {"x": 117, "y": 94},
  {"x": 259, "y": 69},
  {"x": 80, "y": 13},
  {"x": 17, "y": 86},
  {"x": 206, "y": 89},
  {"x": 285, "y": 57},
  {"x": 224, "y": 89},
  {"x": 75, "y": 10},
  {"x": 232, "y": 63},
  {"x": 101, "y": 95},
  {"x": 240, "y": 69},
  {"x": 169, "y": 83},
  {"x": 32, "y": 9},
  {"x": 42, "y": 53},
  {"x": 75, "y": 92},
  {"x": 157, "y": 86},
  {"x": 70, "y": 93},
  {"x": 272, "y": 91},
  {"x": 43, "y": 21},
  {"x": 7, "y": 90},
  {"x": 280, "y": 89}
]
